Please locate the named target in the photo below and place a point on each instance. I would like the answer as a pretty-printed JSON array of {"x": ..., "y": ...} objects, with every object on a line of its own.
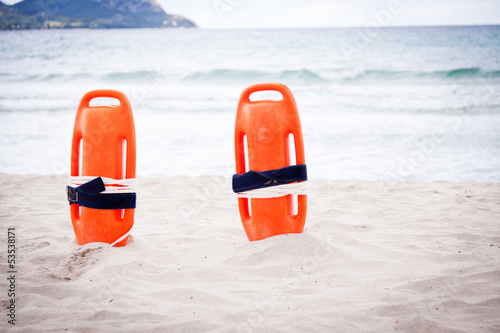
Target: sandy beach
[{"x": 375, "y": 257}]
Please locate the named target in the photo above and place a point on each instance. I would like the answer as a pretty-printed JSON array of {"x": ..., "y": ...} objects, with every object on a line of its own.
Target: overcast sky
[
  {"x": 332, "y": 13},
  {"x": 228, "y": 14}
]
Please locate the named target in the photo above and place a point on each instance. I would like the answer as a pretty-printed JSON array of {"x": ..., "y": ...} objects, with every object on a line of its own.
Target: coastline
[{"x": 375, "y": 256}]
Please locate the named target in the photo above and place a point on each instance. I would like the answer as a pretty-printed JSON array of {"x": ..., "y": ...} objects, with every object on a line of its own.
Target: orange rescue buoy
[
  {"x": 267, "y": 136},
  {"x": 103, "y": 145}
]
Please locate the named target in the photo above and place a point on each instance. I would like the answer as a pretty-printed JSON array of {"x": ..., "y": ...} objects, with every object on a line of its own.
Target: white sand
[{"x": 375, "y": 257}]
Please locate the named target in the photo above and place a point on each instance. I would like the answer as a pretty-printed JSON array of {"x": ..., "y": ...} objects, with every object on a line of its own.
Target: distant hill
[{"x": 64, "y": 14}]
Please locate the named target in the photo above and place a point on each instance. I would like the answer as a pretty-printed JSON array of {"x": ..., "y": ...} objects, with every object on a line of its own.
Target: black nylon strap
[
  {"x": 253, "y": 180},
  {"x": 89, "y": 195}
]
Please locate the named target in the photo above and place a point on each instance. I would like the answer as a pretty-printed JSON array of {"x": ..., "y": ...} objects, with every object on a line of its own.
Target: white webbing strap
[
  {"x": 122, "y": 237},
  {"x": 276, "y": 191},
  {"x": 111, "y": 185}
]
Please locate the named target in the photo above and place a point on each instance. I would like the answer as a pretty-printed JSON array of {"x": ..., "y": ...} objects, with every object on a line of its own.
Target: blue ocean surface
[{"x": 409, "y": 103}]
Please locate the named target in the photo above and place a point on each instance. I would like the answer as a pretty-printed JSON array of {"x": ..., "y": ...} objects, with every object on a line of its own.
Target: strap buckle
[{"x": 72, "y": 195}]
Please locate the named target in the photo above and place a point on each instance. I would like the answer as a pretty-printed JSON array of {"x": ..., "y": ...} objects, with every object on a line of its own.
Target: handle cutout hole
[
  {"x": 292, "y": 155},
  {"x": 245, "y": 153},
  {"x": 78, "y": 211},
  {"x": 80, "y": 158},
  {"x": 295, "y": 205},
  {"x": 266, "y": 95},
  {"x": 104, "y": 101},
  {"x": 124, "y": 159},
  {"x": 124, "y": 170},
  {"x": 249, "y": 205},
  {"x": 247, "y": 168},
  {"x": 292, "y": 160}
]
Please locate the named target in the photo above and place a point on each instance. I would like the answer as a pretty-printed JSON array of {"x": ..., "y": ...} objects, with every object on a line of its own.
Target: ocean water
[{"x": 406, "y": 103}]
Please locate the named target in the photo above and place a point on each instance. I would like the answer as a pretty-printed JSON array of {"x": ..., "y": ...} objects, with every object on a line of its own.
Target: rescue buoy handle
[
  {"x": 272, "y": 86},
  {"x": 104, "y": 93}
]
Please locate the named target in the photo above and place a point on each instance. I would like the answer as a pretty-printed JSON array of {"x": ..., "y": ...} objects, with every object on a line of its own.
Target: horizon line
[{"x": 355, "y": 27}]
